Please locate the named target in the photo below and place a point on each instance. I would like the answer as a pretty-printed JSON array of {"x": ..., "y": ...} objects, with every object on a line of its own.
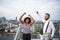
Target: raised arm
[
  {"x": 32, "y": 20},
  {"x": 40, "y": 17},
  {"x": 21, "y": 18}
]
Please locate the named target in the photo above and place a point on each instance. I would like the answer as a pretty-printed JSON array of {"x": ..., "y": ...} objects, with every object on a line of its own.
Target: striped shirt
[{"x": 26, "y": 29}]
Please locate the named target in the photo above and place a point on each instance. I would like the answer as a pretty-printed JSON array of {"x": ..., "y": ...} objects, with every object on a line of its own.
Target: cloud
[{"x": 13, "y": 8}]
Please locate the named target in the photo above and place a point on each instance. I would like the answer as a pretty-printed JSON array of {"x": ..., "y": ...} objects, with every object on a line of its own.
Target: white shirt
[{"x": 50, "y": 27}]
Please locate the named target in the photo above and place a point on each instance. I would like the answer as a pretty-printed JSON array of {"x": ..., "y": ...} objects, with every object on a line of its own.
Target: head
[
  {"x": 47, "y": 16},
  {"x": 27, "y": 20}
]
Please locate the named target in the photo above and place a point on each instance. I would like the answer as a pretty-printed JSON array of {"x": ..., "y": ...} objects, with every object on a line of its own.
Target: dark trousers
[{"x": 26, "y": 36}]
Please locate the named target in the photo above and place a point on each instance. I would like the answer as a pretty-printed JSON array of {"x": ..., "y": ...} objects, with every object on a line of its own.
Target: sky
[{"x": 15, "y": 8}]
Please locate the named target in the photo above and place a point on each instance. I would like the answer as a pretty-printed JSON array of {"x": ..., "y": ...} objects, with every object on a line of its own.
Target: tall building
[{"x": 16, "y": 18}]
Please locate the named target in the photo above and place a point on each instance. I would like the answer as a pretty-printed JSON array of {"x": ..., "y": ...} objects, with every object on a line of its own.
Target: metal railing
[{"x": 17, "y": 35}]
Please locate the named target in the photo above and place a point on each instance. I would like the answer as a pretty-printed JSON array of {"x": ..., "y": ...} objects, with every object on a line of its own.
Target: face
[
  {"x": 27, "y": 21},
  {"x": 46, "y": 17}
]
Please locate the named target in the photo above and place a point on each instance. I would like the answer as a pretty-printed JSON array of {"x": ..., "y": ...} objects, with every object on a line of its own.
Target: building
[
  {"x": 3, "y": 20},
  {"x": 3, "y": 23},
  {"x": 8, "y": 24}
]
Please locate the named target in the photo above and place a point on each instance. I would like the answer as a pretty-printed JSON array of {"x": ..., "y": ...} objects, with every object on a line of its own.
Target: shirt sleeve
[{"x": 53, "y": 29}]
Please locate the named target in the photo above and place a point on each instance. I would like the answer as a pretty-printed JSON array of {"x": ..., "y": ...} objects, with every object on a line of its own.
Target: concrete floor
[{"x": 40, "y": 39}]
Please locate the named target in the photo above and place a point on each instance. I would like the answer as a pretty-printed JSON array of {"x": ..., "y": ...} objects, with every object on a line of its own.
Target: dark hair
[
  {"x": 48, "y": 14},
  {"x": 28, "y": 19}
]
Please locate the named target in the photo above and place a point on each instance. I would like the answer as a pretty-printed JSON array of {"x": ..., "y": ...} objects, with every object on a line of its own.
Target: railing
[{"x": 17, "y": 35}]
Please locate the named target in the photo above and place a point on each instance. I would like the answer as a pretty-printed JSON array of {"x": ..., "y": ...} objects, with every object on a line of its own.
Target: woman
[{"x": 26, "y": 24}]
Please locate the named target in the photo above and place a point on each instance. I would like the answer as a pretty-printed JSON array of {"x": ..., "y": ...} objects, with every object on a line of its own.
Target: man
[{"x": 48, "y": 29}]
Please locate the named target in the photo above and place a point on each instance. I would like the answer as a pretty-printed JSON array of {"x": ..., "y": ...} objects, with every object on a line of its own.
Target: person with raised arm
[
  {"x": 26, "y": 24},
  {"x": 48, "y": 29}
]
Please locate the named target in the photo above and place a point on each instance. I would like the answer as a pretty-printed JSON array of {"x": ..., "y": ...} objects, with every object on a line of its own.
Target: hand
[
  {"x": 24, "y": 13},
  {"x": 37, "y": 12},
  {"x": 51, "y": 38},
  {"x": 29, "y": 15}
]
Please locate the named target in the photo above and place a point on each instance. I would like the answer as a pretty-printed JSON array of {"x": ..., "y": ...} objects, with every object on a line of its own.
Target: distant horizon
[{"x": 35, "y": 20}]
